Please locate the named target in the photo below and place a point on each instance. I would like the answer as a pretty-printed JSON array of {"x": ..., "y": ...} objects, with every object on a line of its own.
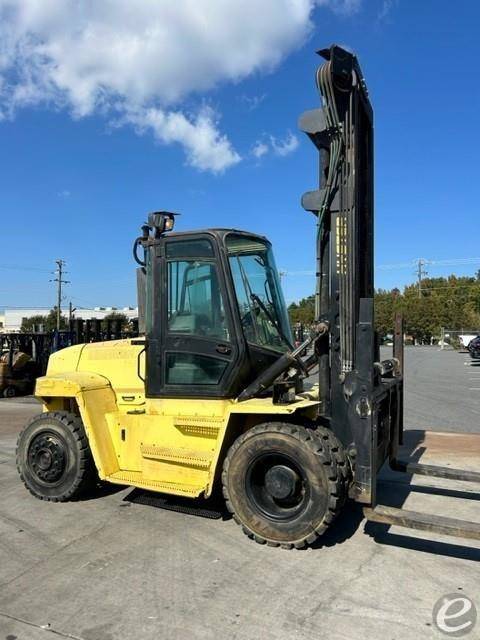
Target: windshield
[{"x": 259, "y": 296}]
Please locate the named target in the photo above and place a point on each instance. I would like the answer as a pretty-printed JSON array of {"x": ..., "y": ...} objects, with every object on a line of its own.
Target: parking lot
[{"x": 107, "y": 568}]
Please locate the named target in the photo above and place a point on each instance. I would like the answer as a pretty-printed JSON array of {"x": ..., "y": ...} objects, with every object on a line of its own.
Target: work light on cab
[{"x": 161, "y": 221}]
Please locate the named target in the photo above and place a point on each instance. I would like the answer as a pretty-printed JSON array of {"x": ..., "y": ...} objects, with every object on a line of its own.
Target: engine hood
[{"x": 65, "y": 360}]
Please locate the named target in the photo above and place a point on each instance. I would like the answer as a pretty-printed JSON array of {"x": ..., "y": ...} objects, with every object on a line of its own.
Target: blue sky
[{"x": 78, "y": 174}]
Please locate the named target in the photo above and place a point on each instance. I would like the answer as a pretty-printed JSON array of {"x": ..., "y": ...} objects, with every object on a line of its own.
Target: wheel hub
[
  {"x": 281, "y": 482},
  {"x": 44, "y": 459},
  {"x": 47, "y": 457},
  {"x": 277, "y": 486}
]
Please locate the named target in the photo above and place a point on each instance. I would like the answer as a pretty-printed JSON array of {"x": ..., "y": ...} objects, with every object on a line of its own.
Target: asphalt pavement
[
  {"x": 106, "y": 568},
  {"x": 442, "y": 390}
]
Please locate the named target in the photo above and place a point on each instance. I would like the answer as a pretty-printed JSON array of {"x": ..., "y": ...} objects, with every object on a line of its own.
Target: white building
[{"x": 12, "y": 318}]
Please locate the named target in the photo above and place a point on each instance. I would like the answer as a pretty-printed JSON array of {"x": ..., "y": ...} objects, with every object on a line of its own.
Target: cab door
[{"x": 196, "y": 353}]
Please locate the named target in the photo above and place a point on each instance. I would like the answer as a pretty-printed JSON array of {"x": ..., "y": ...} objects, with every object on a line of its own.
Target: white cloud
[
  {"x": 346, "y": 7},
  {"x": 205, "y": 147},
  {"x": 282, "y": 147},
  {"x": 253, "y": 102},
  {"x": 278, "y": 146},
  {"x": 259, "y": 149},
  {"x": 64, "y": 194},
  {"x": 385, "y": 10},
  {"x": 139, "y": 60}
]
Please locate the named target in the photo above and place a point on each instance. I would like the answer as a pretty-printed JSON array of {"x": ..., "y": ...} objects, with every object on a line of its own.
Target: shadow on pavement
[
  {"x": 380, "y": 533},
  {"x": 394, "y": 488},
  {"x": 101, "y": 490},
  {"x": 344, "y": 527},
  {"x": 212, "y": 508}
]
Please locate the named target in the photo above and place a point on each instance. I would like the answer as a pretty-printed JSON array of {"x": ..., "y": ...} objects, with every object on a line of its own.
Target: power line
[
  {"x": 454, "y": 261},
  {"x": 15, "y": 267},
  {"x": 450, "y": 262},
  {"x": 401, "y": 265},
  {"x": 82, "y": 301},
  {"x": 398, "y": 265}
]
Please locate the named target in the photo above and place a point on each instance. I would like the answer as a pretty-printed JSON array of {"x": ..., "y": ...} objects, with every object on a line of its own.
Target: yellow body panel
[{"x": 170, "y": 445}]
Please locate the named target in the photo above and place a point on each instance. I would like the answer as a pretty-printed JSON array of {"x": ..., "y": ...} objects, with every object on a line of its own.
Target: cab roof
[{"x": 218, "y": 232}]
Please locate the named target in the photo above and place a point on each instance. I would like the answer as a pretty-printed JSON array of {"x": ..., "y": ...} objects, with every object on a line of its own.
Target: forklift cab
[{"x": 215, "y": 316}]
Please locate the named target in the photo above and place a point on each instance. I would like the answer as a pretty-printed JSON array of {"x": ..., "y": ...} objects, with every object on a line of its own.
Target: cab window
[
  {"x": 195, "y": 305},
  {"x": 262, "y": 309}
]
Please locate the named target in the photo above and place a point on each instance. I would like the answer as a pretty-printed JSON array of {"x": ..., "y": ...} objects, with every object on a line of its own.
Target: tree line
[{"x": 452, "y": 302}]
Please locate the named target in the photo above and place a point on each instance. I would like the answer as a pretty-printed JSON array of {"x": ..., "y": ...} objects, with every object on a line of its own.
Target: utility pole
[
  {"x": 59, "y": 273},
  {"x": 421, "y": 273}
]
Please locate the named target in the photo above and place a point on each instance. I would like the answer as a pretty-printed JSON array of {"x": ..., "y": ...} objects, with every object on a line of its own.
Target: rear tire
[
  {"x": 282, "y": 484},
  {"x": 9, "y": 392},
  {"x": 53, "y": 457}
]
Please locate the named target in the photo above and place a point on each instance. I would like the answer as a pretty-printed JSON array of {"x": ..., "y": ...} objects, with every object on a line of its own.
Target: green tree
[
  {"x": 49, "y": 322},
  {"x": 303, "y": 312},
  {"x": 30, "y": 324},
  {"x": 386, "y": 304},
  {"x": 117, "y": 315},
  {"x": 452, "y": 302}
]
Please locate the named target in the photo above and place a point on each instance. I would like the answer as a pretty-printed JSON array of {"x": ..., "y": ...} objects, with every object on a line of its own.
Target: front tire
[
  {"x": 53, "y": 457},
  {"x": 282, "y": 484}
]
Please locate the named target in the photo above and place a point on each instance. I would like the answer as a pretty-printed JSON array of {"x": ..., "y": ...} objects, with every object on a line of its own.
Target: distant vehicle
[
  {"x": 474, "y": 348},
  {"x": 466, "y": 338},
  {"x": 17, "y": 374}
]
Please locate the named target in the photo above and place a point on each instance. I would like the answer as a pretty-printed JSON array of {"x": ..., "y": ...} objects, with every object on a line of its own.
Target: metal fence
[
  {"x": 39, "y": 345},
  {"x": 457, "y": 338}
]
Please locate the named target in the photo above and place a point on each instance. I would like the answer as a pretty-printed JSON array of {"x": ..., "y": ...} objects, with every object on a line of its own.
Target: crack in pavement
[
  {"x": 39, "y": 626},
  {"x": 54, "y": 553}
]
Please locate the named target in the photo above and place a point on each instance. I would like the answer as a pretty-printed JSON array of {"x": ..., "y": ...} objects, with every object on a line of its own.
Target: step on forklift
[{"x": 213, "y": 395}]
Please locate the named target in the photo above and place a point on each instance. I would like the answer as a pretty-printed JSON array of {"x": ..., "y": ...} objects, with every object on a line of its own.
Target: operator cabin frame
[{"x": 208, "y": 331}]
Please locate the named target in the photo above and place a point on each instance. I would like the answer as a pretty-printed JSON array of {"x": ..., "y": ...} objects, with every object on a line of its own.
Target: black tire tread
[
  {"x": 87, "y": 472},
  {"x": 319, "y": 443},
  {"x": 339, "y": 454},
  {"x": 337, "y": 450}
]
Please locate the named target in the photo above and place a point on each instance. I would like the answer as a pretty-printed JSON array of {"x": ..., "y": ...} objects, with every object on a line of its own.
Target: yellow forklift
[
  {"x": 17, "y": 372},
  {"x": 213, "y": 393}
]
